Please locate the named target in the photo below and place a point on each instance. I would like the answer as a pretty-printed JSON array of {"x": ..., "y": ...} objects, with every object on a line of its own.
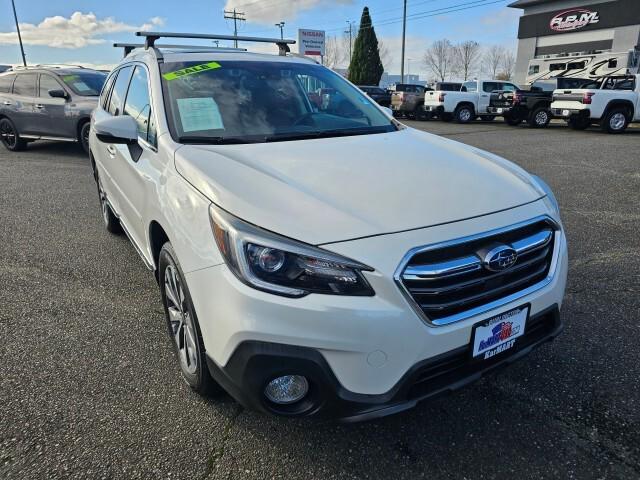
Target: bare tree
[
  {"x": 493, "y": 59},
  {"x": 334, "y": 54},
  {"x": 466, "y": 57},
  {"x": 507, "y": 65},
  {"x": 439, "y": 59},
  {"x": 385, "y": 54}
]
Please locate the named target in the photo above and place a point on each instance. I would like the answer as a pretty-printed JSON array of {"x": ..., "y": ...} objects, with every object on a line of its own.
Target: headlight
[
  {"x": 546, "y": 190},
  {"x": 277, "y": 264}
]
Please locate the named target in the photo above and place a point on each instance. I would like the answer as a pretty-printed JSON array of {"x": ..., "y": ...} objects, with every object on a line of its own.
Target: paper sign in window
[
  {"x": 198, "y": 114},
  {"x": 81, "y": 87}
]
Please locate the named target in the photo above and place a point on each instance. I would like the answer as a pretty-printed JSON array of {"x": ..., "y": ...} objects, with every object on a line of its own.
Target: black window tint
[
  {"x": 138, "y": 103},
  {"x": 557, "y": 66},
  {"x": 6, "y": 81},
  {"x": 25, "y": 84},
  {"x": 612, "y": 63},
  {"x": 106, "y": 90},
  {"x": 119, "y": 91},
  {"x": 47, "y": 82}
]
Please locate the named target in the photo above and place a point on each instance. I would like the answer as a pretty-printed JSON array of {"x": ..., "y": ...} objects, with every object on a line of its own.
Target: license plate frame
[{"x": 512, "y": 325}]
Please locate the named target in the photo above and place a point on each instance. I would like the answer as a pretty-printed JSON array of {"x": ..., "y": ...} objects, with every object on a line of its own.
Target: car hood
[{"x": 334, "y": 189}]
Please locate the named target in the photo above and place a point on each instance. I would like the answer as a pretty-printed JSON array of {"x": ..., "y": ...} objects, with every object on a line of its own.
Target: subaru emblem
[{"x": 500, "y": 258}]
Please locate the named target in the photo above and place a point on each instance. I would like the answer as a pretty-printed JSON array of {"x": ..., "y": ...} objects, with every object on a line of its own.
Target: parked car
[
  {"x": 326, "y": 262},
  {"x": 532, "y": 106},
  {"x": 407, "y": 100},
  {"x": 470, "y": 102},
  {"x": 47, "y": 103},
  {"x": 379, "y": 94},
  {"x": 613, "y": 103}
]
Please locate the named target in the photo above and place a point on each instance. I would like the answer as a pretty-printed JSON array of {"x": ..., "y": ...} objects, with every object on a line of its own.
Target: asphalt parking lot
[{"x": 89, "y": 387}]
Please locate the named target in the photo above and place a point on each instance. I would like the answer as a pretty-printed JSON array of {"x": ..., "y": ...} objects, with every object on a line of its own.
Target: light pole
[
  {"x": 404, "y": 33},
  {"x": 350, "y": 32},
  {"x": 15, "y": 16},
  {"x": 281, "y": 26}
]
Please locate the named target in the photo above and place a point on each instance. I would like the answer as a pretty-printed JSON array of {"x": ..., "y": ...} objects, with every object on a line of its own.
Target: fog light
[{"x": 287, "y": 389}]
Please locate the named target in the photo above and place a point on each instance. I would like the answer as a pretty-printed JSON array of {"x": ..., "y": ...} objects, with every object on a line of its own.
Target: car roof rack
[
  {"x": 151, "y": 37},
  {"x": 129, "y": 47}
]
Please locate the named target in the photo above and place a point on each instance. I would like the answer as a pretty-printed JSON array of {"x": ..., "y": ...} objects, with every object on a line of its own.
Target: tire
[
  {"x": 464, "y": 114},
  {"x": 83, "y": 136},
  {"x": 182, "y": 324},
  {"x": 539, "y": 118},
  {"x": 446, "y": 117},
  {"x": 487, "y": 118},
  {"x": 615, "y": 121},
  {"x": 10, "y": 137},
  {"x": 419, "y": 113},
  {"x": 579, "y": 123},
  {"x": 111, "y": 222},
  {"x": 513, "y": 121}
]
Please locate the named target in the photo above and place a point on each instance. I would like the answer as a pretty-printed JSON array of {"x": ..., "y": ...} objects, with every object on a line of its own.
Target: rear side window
[
  {"x": 491, "y": 86},
  {"x": 116, "y": 102},
  {"x": 47, "y": 82},
  {"x": 138, "y": 104},
  {"x": 25, "y": 85},
  {"x": 6, "y": 81}
]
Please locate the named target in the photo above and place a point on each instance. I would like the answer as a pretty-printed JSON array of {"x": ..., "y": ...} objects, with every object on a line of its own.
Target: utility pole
[
  {"x": 404, "y": 34},
  {"x": 281, "y": 25},
  {"x": 15, "y": 16},
  {"x": 350, "y": 32},
  {"x": 235, "y": 16}
]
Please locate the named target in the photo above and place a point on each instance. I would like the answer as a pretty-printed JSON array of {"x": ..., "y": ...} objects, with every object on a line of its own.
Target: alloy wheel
[
  {"x": 617, "y": 121},
  {"x": 182, "y": 327},
  {"x": 104, "y": 205},
  {"x": 542, "y": 117},
  {"x": 8, "y": 134}
]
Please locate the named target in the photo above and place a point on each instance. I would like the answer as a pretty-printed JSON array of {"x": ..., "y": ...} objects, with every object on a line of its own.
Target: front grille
[{"x": 447, "y": 281}]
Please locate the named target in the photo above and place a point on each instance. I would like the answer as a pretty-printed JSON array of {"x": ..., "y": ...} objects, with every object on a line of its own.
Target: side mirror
[
  {"x": 58, "y": 93},
  {"x": 121, "y": 130}
]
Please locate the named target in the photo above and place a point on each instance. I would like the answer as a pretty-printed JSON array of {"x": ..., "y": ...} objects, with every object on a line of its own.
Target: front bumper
[
  {"x": 498, "y": 110},
  {"x": 253, "y": 364}
]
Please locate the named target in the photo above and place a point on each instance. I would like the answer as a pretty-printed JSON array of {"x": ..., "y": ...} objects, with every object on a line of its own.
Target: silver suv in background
[{"x": 47, "y": 103}]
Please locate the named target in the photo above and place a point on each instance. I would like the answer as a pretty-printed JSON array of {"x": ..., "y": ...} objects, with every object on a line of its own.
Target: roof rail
[
  {"x": 47, "y": 65},
  {"x": 129, "y": 47},
  {"x": 151, "y": 37}
]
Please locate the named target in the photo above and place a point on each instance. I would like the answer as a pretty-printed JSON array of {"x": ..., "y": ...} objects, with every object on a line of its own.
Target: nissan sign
[
  {"x": 311, "y": 42},
  {"x": 573, "y": 20}
]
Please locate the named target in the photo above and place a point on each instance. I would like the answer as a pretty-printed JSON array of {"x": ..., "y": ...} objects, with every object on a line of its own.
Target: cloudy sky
[{"x": 57, "y": 31}]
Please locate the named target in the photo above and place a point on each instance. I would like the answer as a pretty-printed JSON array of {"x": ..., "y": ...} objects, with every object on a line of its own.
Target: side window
[
  {"x": 470, "y": 86},
  {"x": 508, "y": 87},
  {"x": 116, "y": 102},
  {"x": 533, "y": 69},
  {"x": 47, "y": 82},
  {"x": 489, "y": 87},
  {"x": 25, "y": 84},
  {"x": 106, "y": 90},
  {"x": 138, "y": 104},
  {"x": 6, "y": 82}
]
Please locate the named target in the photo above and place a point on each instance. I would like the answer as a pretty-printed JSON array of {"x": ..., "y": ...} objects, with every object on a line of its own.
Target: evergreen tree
[{"x": 366, "y": 67}]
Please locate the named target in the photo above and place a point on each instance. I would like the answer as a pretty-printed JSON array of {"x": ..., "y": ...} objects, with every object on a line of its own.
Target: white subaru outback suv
[{"x": 315, "y": 257}]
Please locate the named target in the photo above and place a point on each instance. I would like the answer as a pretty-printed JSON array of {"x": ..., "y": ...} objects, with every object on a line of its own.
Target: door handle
[
  {"x": 112, "y": 150},
  {"x": 39, "y": 106}
]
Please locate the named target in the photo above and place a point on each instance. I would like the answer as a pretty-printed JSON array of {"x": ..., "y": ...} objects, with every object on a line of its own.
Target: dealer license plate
[
  {"x": 565, "y": 113},
  {"x": 498, "y": 334}
]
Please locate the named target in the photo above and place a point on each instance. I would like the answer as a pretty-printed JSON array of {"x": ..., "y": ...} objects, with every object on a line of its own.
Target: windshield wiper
[
  {"x": 338, "y": 132},
  {"x": 194, "y": 139}
]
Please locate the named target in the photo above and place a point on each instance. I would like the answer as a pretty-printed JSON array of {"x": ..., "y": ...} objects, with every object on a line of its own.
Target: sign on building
[{"x": 311, "y": 42}]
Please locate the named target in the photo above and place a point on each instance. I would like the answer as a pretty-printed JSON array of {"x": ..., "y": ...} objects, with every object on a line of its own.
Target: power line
[{"x": 235, "y": 16}]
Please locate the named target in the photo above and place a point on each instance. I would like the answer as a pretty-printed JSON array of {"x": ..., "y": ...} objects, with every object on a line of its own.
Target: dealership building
[{"x": 580, "y": 29}]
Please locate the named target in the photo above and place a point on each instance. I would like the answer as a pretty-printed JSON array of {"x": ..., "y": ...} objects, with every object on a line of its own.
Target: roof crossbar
[
  {"x": 151, "y": 37},
  {"x": 129, "y": 47}
]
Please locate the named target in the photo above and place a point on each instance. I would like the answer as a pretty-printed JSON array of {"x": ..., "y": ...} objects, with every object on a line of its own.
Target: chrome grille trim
[{"x": 425, "y": 273}]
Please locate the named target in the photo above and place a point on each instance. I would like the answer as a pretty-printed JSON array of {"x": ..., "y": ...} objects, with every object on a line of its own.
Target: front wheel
[
  {"x": 10, "y": 136},
  {"x": 111, "y": 222},
  {"x": 539, "y": 118},
  {"x": 182, "y": 323},
  {"x": 615, "y": 121},
  {"x": 83, "y": 136}
]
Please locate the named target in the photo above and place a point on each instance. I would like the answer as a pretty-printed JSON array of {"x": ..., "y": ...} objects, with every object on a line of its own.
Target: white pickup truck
[
  {"x": 464, "y": 106},
  {"x": 613, "y": 103}
]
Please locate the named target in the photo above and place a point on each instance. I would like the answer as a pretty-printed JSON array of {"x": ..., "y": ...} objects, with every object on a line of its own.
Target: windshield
[
  {"x": 247, "y": 102},
  {"x": 85, "y": 83}
]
